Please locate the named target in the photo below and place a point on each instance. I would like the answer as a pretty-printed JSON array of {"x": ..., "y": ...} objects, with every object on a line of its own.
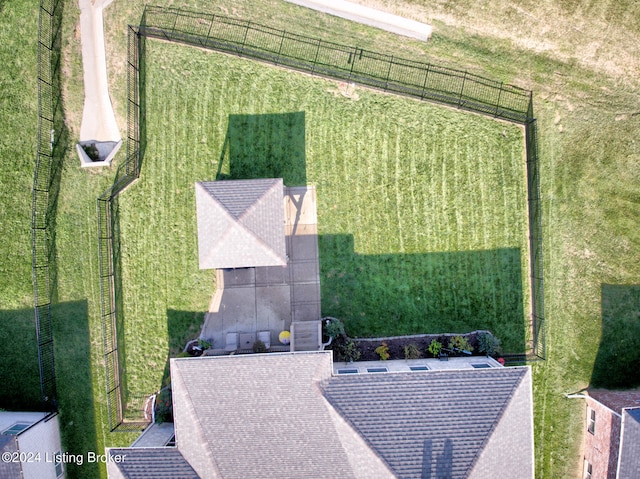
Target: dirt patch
[{"x": 602, "y": 37}]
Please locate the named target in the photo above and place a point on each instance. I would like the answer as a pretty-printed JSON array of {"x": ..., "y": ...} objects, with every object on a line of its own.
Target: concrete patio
[{"x": 271, "y": 298}]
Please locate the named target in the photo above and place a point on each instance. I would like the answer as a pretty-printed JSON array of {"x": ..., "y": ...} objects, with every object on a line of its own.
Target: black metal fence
[
  {"x": 52, "y": 144},
  {"x": 392, "y": 74},
  {"x": 424, "y": 81},
  {"x": 109, "y": 252},
  {"x": 420, "y": 80}
]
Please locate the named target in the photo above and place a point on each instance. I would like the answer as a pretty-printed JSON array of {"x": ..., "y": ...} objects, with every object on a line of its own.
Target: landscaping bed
[
  {"x": 480, "y": 342},
  {"x": 396, "y": 345}
]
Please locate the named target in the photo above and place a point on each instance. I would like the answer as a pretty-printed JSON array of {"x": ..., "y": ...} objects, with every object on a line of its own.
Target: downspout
[{"x": 324, "y": 345}]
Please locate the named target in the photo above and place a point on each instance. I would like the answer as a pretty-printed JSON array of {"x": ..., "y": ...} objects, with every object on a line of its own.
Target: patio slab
[{"x": 270, "y": 298}]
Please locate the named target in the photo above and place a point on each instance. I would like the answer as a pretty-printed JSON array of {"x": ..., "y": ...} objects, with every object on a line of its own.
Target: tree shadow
[
  {"x": 618, "y": 360},
  {"x": 265, "y": 146},
  {"x": 449, "y": 292}
]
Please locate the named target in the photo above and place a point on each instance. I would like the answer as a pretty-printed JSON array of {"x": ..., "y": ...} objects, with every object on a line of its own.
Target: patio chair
[
  {"x": 231, "y": 342},
  {"x": 265, "y": 337}
]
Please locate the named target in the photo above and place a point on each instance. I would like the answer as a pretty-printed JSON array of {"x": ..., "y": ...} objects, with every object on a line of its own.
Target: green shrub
[
  {"x": 259, "y": 346},
  {"x": 334, "y": 328},
  {"x": 346, "y": 350},
  {"x": 412, "y": 351},
  {"x": 164, "y": 406},
  {"x": 434, "y": 347},
  {"x": 460, "y": 343},
  {"x": 204, "y": 344},
  {"x": 489, "y": 344},
  {"x": 183, "y": 354},
  {"x": 383, "y": 351}
]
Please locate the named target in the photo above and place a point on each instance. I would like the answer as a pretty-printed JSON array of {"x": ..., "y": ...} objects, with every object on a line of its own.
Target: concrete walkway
[
  {"x": 249, "y": 300},
  {"x": 369, "y": 16},
  {"x": 98, "y": 118}
]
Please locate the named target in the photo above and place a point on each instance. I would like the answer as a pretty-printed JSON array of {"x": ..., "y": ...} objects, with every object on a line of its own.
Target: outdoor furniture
[
  {"x": 265, "y": 337},
  {"x": 231, "y": 342}
]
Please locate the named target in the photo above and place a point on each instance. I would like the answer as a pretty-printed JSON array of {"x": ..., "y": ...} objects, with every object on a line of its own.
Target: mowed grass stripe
[{"x": 413, "y": 236}]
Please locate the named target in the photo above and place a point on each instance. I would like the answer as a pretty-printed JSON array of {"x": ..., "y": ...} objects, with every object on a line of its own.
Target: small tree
[
  {"x": 489, "y": 344},
  {"x": 434, "y": 347},
  {"x": 334, "y": 328},
  {"x": 412, "y": 351},
  {"x": 346, "y": 350},
  {"x": 383, "y": 351},
  {"x": 460, "y": 343}
]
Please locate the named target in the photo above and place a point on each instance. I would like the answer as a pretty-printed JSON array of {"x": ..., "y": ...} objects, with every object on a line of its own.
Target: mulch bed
[{"x": 396, "y": 344}]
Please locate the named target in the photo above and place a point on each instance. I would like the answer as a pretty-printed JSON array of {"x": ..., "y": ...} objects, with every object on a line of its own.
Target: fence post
[
  {"x": 464, "y": 79},
  {"x": 386, "y": 85},
  {"x": 280, "y": 47},
  {"x": 315, "y": 59},
  {"x": 499, "y": 97},
  {"x": 352, "y": 58},
  {"x": 244, "y": 39},
  {"x": 213, "y": 19}
]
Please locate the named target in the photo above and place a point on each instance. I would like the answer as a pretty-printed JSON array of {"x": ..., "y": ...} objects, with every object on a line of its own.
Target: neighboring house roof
[
  {"x": 629, "y": 458},
  {"x": 144, "y": 463},
  {"x": 9, "y": 469},
  {"x": 616, "y": 400},
  {"x": 240, "y": 223},
  {"x": 287, "y": 416}
]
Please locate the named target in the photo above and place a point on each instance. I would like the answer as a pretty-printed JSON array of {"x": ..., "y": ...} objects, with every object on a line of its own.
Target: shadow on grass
[
  {"x": 74, "y": 383},
  {"x": 398, "y": 294},
  {"x": 19, "y": 372},
  {"x": 265, "y": 146},
  {"x": 20, "y": 379},
  {"x": 618, "y": 359},
  {"x": 182, "y": 326}
]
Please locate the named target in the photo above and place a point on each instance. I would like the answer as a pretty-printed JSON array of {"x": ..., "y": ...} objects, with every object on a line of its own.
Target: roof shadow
[
  {"x": 74, "y": 383},
  {"x": 19, "y": 371},
  {"x": 182, "y": 326},
  {"x": 265, "y": 146},
  {"x": 618, "y": 360},
  {"x": 440, "y": 292}
]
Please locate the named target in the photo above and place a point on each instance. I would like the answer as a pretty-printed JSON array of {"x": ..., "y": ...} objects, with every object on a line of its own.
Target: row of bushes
[{"x": 407, "y": 347}]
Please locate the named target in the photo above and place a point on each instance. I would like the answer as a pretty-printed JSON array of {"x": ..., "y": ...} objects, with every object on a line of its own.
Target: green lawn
[
  {"x": 19, "y": 377},
  {"x": 421, "y": 209},
  {"x": 586, "y": 97}
]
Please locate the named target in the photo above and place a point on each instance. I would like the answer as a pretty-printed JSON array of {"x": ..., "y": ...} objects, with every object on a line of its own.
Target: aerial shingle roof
[
  {"x": 629, "y": 459},
  {"x": 145, "y": 463},
  {"x": 257, "y": 415},
  {"x": 437, "y": 423},
  {"x": 240, "y": 223},
  {"x": 285, "y": 415}
]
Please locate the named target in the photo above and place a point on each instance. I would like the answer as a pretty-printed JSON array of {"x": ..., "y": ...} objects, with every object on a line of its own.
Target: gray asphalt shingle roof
[
  {"x": 430, "y": 424},
  {"x": 240, "y": 223},
  {"x": 629, "y": 460},
  {"x": 260, "y": 415},
  {"x": 287, "y": 416},
  {"x": 157, "y": 463}
]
